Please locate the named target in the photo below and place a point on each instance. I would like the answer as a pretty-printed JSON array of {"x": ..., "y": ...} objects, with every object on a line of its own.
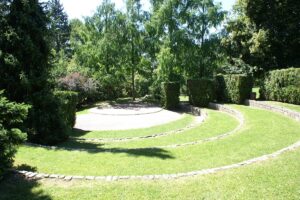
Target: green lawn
[
  {"x": 177, "y": 124},
  {"x": 262, "y": 134},
  {"x": 217, "y": 123},
  {"x": 275, "y": 179},
  {"x": 285, "y": 105},
  {"x": 256, "y": 90}
]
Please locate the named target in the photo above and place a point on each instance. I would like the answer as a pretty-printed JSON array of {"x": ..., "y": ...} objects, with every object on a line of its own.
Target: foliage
[
  {"x": 85, "y": 87},
  {"x": 263, "y": 34},
  {"x": 282, "y": 85},
  {"x": 234, "y": 88},
  {"x": 201, "y": 91},
  {"x": 68, "y": 101},
  {"x": 12, "y": 116},
  {"x": 46, "y": 122},
  {"x": 170, "y": 94},
  {"x": 280, "y": 19},
  {"x": 24, "y": 50},
  {"x": 58, "y": 27}
]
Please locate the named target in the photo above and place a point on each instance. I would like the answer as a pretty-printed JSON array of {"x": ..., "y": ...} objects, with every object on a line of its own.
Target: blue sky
[{"x": 80, "y": 8}]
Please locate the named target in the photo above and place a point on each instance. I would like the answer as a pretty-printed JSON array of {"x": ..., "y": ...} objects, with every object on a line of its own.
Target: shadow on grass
[
  {"x": 78, "y": 132},
  {"x": 98, "y": 148},
  {"x": 26, "y": 168},
  {"x": 16, "y": 187}
]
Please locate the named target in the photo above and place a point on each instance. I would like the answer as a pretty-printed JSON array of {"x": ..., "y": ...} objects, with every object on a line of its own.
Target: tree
[
  {"x": 264, "y": 34},
  {"x": 25, "y": 69},
  {"x": 12, "y": 116},
  {"x": 58, "y": 26},
  {"x": 134, "y": 29},
  {"x": 280, "y": 19}
]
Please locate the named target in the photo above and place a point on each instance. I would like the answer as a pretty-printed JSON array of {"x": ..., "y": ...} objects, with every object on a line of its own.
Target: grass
[
  {"x": 256, "y": 90},
  {"x": 262, "y": 134},
  {"x": 275, "y": 179},
  {"x": 285, "y": 105},
  {"x": 217, "y": 123},
  {"x": 177, "y": 124},
  {"x": 183, "y": 98}
]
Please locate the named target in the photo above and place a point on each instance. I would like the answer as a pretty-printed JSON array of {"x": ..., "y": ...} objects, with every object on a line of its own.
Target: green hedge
[
  {"x": 52, "y": 116},
  {"x": 68, "y": 101},
  {"x": 235, "y": 88},
  {"x": 201, "y": 91},
  {"x": 282, "y": 85},
  {"x": 170, "y": 95},
  {"x": 11, "y": 121}
]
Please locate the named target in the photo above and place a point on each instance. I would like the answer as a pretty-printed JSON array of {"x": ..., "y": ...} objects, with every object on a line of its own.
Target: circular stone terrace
[{"x": 125, "y": 116}]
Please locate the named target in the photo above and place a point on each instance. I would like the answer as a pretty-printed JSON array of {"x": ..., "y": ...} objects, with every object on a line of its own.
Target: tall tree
[
  {"x": 59, "y": 26},
  {"x": 134, "y": 16},
  {"x": 25, "y": 69}
]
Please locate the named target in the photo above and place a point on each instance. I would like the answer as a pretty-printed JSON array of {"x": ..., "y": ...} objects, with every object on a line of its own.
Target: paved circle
[{"x": 124, "y": 117}]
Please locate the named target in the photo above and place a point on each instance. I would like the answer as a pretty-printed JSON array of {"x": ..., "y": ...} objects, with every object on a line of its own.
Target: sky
[{"x": 80, "y": 8}]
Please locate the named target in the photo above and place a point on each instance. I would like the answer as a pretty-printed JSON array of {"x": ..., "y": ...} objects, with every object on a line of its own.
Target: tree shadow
[
  {"x": 78, "y": 132},
  {"x": 26, "y": 168},
  {"x": 94, "y": 148},
  {"x": 17, "y": 187}
]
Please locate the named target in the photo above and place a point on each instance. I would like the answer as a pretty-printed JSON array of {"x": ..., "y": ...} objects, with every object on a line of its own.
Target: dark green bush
[
  {"x": 68, "y": 101},
  {"x": 46, "y": 122},
  {"x": 170, "y": 95},
  {"x": 235, "y": 88},
  {"x": 201, "y": 91},
  {"x": 11, "y": 120},
  {"x": 282, "y": 85}
]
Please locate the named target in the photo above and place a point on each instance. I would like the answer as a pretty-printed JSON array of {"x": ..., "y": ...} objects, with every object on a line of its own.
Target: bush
[
  {"x": 67, "y": 101},
  {"x": 234, "y": 88},
  {"x": 282, "y": 85},
  {"x": 85, "y": 87},
  {"x": 170, "y": 95},
  {"x": 201, "y": 91},
  {"x": 11, "y": 120},
  {"x": 46, "y": 122}
]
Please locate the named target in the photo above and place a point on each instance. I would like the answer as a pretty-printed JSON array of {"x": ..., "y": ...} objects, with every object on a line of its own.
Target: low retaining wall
[
  {"x": 228, "y": 110},
  {"x": 279, "y": 109}
]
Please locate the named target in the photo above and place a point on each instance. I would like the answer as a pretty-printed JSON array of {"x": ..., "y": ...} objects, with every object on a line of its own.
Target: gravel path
[{"x": 125, "y": 118}]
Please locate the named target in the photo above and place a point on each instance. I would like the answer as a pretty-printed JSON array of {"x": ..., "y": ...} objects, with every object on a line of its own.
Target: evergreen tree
[
  {"x": 25, "y": 69},
  {"x": 59, "y": 26}
]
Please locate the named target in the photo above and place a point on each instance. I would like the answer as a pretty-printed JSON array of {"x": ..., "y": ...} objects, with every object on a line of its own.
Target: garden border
[{"x": 287, "y": 112}]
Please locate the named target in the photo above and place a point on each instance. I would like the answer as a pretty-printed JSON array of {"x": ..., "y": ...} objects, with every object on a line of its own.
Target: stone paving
[{"x": 147, "y": 117}]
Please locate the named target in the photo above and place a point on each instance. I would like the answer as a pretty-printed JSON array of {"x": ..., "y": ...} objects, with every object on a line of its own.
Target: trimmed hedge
[
  {"x": 52, "y": 116},
  {"x": 12, "y": 116},
  {"x": 201, "y": 91},
  {"x": 170, "y": 95},
  {"x": 68, "y": 101},
  {"x": 235, "y": 88},
  {"x": 282, "y": 85}
]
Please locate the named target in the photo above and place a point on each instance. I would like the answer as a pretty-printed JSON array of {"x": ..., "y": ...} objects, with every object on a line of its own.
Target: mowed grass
[
  {"x": 285, "y": 105},
  {"x": 274, "y": 179},
  {"x": 184, "y": 121},
  {"x": 263, "y": 133},
  {"x": 217, "y": 123}
]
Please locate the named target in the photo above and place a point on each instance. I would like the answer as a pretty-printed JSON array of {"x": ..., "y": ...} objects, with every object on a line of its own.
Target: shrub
[
  {"x": 201, "y": 91},
  {"x": 11, "y": 120},
  {"x": 170, "y": 94},
  {"x": 282, "y": 85},
  {"x": 84, "y": 86},
  {"x": 46, "y": 122},
  {"x": 234, "y": 88},
  {"x": 67, "y": 101}
]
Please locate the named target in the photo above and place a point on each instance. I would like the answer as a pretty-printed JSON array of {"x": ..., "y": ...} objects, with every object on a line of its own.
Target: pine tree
[{"x": 59, "y": 26}]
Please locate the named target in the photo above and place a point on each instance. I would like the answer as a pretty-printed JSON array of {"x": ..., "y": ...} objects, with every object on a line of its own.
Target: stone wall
[{"x": 279, "y": 109}]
